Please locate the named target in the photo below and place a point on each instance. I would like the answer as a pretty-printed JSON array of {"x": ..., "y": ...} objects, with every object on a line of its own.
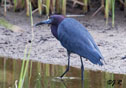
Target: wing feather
[{"x": 76, "y": 39}]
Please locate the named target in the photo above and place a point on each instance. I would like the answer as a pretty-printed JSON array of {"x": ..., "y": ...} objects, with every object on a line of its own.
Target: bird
[{"x": 75, "y": 38}]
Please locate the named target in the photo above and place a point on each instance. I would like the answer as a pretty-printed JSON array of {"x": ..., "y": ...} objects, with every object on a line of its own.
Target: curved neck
[{"x": 54, "y": 29}]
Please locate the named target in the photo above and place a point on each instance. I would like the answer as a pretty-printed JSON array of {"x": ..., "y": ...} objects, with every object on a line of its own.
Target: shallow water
[{"x": 47, "y": 76}]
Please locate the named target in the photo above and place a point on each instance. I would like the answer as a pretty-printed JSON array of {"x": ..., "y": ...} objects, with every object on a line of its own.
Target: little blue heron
[{"x": 75, "y": 38}]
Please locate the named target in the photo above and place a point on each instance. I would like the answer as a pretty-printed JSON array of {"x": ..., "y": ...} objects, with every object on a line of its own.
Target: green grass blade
[
  {"x": 31, "y": 17},
  {"x": 27, "y": 62},
  {"x": 26, "y": 67},
  {"x": 10, "y": 26},
  {"x": 22, "y": 68},
  {"x": 26, "y": 80}
]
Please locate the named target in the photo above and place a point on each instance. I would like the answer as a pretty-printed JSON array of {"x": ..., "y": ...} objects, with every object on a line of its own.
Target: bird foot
[{"x": 61, "y": 76}]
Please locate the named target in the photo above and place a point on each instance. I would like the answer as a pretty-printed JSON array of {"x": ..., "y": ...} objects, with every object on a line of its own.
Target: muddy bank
[{"x": 47, "y": 49}]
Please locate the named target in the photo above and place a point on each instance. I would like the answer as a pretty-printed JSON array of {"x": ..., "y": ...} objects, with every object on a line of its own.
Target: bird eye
[{"x": 49, "y": 17}]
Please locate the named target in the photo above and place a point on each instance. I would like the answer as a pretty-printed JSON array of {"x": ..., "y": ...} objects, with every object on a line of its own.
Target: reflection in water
[{"x": 41, "y": 75}]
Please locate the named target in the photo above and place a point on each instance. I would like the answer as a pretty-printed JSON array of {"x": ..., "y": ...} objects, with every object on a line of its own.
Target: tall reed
[
  {"x": 85, "y": 8},
  {"x": 21, "y": 79},
  {"x": 113, "y": 13},
  {"x": 64, "y": 7},
  {"x": 53, "y": 6},
  {"x": 110, "y": 6},
  {"x": 15, "y": 4},
  {"x": 107, "y": 10},
  {"x": 5, "y": 7},
  {"x": 58, "y": 6},
  {"x": 40, "y": 6},
  {"x": 27, "y": 8},
  {"x": 25, "y": 64},
  {"x": 47, "y": 7}
]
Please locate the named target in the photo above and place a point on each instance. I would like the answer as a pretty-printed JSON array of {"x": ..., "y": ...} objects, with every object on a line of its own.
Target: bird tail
[{"x": 101, "y": 62}]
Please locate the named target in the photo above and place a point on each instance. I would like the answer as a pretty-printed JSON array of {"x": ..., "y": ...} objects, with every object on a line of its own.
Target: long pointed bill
[{"x": 49, "y": 21}]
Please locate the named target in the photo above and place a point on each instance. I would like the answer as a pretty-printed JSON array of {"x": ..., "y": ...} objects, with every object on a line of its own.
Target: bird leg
[
  {"x": 82, "y": 69},
  {"x": 67, "y": 66}
]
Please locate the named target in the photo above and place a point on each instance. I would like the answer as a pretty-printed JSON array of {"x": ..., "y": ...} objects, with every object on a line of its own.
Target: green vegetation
[
  {"x": 10, "y": 26},
  {"x": 25, "y": 65},
  {"x": 59, "y": 6},
  {"x": 6, "y": 24},
  {"x": 26, "y": 69}
]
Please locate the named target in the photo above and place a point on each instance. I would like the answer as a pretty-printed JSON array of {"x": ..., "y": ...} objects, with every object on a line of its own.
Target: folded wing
[{"x": 76, "y": 39}]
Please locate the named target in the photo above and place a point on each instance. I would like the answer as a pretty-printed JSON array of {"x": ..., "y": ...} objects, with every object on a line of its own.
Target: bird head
[{"x": 53, "y": 19}]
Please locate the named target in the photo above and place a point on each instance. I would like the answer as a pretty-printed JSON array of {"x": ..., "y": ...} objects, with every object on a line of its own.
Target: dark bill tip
[
  {"x": 37, "y": 24},
  {"x": 49, "y": 21}
]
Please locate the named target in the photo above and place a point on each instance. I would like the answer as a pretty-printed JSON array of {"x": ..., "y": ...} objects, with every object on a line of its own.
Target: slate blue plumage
[{"x": 75, "y": 38}]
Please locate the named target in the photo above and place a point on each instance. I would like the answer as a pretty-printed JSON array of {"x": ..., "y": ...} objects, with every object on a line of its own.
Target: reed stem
[
  {"x": 40, "y": 6},
  {"x": 64, "y": 7},
  {"x": 27, "y": 7},
  {"x": 85, "y": 8},
  {"x": 107, "y": 10},
  {"x": 15, "y": 4},
  {"x": 113, "y": 13},
  {"x": 47, "y": 7},
  {"x": 5, "y": 8}
]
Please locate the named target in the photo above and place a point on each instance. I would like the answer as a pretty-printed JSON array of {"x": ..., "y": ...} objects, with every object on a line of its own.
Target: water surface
[{"x": 40, "y": 75}]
